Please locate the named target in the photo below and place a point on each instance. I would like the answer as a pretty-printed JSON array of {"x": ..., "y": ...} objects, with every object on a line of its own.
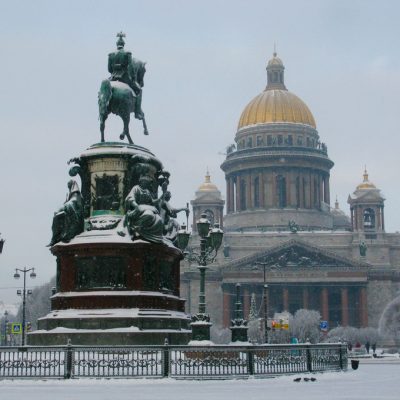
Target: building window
[
  {"x": 260, "y": 141},
  {"x": 281, "y": 191},
  {"x": 250, "y": 142},
  {"x": 269, "y": 140},
  {"x": 300, "y": 140},
  {"x": 280, "y": 139}
]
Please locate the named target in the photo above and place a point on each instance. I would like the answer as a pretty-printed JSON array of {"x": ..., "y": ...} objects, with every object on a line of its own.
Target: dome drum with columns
[{"x": 280, "y": 164}]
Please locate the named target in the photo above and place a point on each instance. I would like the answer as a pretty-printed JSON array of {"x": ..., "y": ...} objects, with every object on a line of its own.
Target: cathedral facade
[{"x": 281, "y": 229}]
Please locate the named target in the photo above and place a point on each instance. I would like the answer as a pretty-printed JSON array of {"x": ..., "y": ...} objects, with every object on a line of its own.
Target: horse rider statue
[
  {"x": 121, "y": 93},
  {"x": 124, "y": 68}
]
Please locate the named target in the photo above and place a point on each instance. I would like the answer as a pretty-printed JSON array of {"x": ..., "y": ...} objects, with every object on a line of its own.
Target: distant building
[{"x": 279, "y": 218}]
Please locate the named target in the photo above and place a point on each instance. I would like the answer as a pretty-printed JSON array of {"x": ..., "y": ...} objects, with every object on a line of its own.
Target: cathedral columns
[
  {"x": 238, "y": 193},
  {"x": 325, "y": 304},
  {"x": 305, "y": 298},
  {"x": 226, "y": 309},
  {"x": 249, "y": 188},
  {"x": 285, "y": 296},
  {"x": 228, "y": 194},
  {"x": 232, "y": 194},
  {"x": 262, "y": 188},
  {"x": 363, "y": 307},
  {"x": 301, "y": 190},
  {"x": 344, "y": 295}
]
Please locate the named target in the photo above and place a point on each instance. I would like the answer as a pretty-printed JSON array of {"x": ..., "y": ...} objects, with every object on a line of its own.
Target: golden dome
[
  {"x": 276, "y": 104},
  {"x": 207, "y": 185},
  {"x": 366, "y": 184}
]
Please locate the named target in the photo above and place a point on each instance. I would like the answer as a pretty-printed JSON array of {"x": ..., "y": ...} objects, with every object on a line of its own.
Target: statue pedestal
[{"x": 111, "y": 289}]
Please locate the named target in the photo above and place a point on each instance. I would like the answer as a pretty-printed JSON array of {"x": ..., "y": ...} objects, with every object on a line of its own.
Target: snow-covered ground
[{"x": 374, "y": 380}]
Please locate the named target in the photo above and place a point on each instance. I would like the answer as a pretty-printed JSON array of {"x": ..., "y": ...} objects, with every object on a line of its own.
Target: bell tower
[
  {"x": 208, "y": 200},
  {"x": 367, "y": 208}
]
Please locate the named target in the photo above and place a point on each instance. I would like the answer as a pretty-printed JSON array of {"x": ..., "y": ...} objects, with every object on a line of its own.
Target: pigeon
[
  {"x": 297, "y": 379},
  {"x": 313, "y": 379},
  {"x": 306, "y": 379}
]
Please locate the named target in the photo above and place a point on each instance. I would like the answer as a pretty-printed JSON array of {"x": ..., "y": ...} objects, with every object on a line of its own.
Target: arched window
[
  {"x": 281, "y": 191},
  {"x": 256, "y": 192},
  {"x": 369, "y": 218}
]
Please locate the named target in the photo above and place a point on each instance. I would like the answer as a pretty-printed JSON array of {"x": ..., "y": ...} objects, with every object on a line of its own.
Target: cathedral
[{"x": 281, "y": 228}]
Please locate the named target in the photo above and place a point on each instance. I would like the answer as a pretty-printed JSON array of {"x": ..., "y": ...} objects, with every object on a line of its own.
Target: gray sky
[{"x": 205, "y": 61}]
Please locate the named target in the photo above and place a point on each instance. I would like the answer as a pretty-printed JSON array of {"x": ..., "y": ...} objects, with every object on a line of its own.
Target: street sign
[
  {"x": 16, "y": 329},
  {"x": 323, "y": 325}
]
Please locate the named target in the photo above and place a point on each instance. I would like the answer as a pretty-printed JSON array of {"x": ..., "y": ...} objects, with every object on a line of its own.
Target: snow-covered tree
[
  {"x": 220, "y": 335},
  {"x": 305, "y": 326},
  {"x": 389, "y": 323},
  {"x": 370, "y": 335},
  {"x": 255, "y": 332},
  {"x": 253, "y": 308},
  {"x": 347, "y": 334}
]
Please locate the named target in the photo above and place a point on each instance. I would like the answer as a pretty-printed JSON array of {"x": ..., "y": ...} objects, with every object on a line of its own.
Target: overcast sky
[{"x": 205, "y": 61}]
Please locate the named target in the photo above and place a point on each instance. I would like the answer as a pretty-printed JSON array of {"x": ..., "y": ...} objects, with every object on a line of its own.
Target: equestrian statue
[{"x": 121, "y": 94}]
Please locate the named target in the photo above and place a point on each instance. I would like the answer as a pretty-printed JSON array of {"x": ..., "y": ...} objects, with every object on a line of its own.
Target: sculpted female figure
[
  {"x": 143, "y": 218},
  {"x": 68, "y": 221}
]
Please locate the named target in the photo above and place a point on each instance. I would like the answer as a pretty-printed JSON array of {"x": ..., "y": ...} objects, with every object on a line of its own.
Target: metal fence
[{"x": 194, "y": 362}]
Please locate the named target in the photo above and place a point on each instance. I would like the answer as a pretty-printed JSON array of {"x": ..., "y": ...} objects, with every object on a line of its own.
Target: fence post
[
  {"x": 309, "y": 359},
  {"x": 68, "y": 361},
  {"x": 166, "y": 359},
  {"x": 250, "y": 361},
  {"x": 341, "y": 356}
]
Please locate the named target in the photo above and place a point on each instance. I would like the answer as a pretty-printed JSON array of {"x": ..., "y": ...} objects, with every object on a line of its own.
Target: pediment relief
[{"x": 295, "y": 254}]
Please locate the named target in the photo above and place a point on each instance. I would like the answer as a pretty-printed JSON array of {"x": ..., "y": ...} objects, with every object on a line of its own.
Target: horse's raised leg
[
  {"x": 102, "y": 125},
  {"x": 126, "y": 119}
]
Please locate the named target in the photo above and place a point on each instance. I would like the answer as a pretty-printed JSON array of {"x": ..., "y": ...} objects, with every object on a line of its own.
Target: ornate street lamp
[
  {"x": 24, "y": 293},
  {"x": 265, "y": 298},
  {"x": 210, "y": 242},
  {"x": 239, "y": 324}
]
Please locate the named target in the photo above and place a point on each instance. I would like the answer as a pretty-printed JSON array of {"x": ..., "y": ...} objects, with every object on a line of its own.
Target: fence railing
[{"x": 217, "y": 361}]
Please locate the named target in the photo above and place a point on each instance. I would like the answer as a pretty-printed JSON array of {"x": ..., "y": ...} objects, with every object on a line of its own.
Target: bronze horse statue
[{"x": 119, "y": 98}]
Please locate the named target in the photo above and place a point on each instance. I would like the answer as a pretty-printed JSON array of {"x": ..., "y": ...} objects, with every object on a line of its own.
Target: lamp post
[
  {"x": 265, "y": 298},
  {"x": 24, "y": 293},
  {"x": 5, "y": 327},
  {"x": 210, "y": 242}
]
